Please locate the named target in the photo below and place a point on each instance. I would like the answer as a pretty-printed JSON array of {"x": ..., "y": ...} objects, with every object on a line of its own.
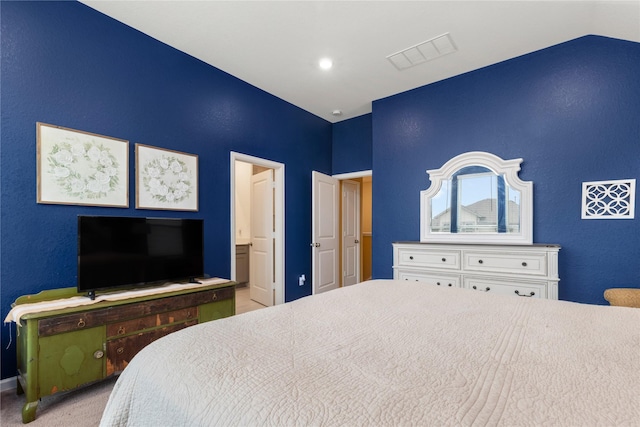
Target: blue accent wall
[
  {"x": 66, "y": 64},
  {"x": 571, "y": 111},
  {"x": 352, "y": 149}
]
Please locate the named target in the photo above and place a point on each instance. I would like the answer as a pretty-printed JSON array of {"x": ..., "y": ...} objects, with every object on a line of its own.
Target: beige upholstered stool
[{"x": 626, "y": 297}]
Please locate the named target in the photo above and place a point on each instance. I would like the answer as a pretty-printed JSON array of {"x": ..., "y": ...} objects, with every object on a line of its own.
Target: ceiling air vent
[{"x": 423, "y": 52}]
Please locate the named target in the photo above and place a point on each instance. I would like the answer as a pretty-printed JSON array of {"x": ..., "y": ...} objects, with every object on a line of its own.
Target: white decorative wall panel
[{"x": 608, "y": 199}]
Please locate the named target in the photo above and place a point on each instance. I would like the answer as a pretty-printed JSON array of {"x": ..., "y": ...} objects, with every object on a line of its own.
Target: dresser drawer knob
[
  {"x": 215, "y": 296},
  {"x": 487, "y": 289},
  {"x": 480, "y": 261},
  {"x": 411, "y": 257},
  {"x": 524, "y": 264},
  {"x": 450, "y": 285},
  {"x": 444, "y": 260},
  {"x": 120, "y": 350},
  {"x": 98, "y": 354},
  {"x": 524, "y": 295},
  {"x": 438, "y": 283},
  {"x": 81, "y": 323},
  {"x": 121, "y": 330}
]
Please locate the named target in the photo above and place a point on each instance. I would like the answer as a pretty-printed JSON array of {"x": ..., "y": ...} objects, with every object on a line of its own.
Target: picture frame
[
  {"x": 75, "y": 167},
  {"x": 166, "y": 179}
]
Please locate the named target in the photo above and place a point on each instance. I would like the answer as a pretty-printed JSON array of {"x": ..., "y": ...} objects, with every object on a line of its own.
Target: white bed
[{"x": 387, "y": 353}]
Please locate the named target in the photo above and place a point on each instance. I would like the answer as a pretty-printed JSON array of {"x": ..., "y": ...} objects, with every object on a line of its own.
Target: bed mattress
[{"x": 392, "y": 353}]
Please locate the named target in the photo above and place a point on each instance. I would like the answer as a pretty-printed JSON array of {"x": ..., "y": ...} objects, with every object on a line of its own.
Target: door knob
[{"x": 357, "y": 241}]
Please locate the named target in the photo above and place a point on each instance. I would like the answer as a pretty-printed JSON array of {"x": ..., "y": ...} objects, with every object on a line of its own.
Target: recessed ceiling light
[{"x": 326, "y": 63}]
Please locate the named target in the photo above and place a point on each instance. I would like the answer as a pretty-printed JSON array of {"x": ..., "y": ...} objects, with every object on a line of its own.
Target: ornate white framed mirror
[{"x": 477, "y": 197}]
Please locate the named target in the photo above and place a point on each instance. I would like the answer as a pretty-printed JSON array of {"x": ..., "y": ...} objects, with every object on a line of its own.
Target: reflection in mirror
[
  {"x": 476, "y": 200},
  {"x": 477, "y": 194}
]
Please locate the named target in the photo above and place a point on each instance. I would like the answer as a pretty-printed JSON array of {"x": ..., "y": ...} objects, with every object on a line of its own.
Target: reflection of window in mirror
[{"x": 476, "y": 200}]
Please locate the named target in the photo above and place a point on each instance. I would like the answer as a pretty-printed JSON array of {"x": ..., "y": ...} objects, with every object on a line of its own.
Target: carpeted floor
[{"x": 79, "y": 408}]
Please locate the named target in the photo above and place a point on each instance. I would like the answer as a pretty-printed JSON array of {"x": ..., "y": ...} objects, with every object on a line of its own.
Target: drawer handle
[
  {"x": 215, "y": 296},
  {"x": 411, "y": 257},
  {"x": 487, "y": 289},
  {"x": 444, "y": 260},
  {"x": 98, "y": 354},
  {"x": 120, "y": 350},
  {"x": 81, "y": 323},
  {"x": 524, "y": 264},
  {"x": 480, "y": 261},
  {"x": 523, "y": 295},
  {"x": 188, "y": 314},
  {"x": 121, "y": 330},
  {"x": 450, "y": 285}
]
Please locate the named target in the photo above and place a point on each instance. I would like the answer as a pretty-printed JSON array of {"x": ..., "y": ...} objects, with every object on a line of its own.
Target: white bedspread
[{"x": 392, "y": 353}]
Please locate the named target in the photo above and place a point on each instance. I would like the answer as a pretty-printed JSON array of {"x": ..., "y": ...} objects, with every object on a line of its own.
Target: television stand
[{"x": 68, "y": 348}]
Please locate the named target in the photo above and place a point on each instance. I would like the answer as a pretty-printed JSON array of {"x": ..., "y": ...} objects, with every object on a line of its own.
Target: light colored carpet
[{"x": 78, "y": 408}]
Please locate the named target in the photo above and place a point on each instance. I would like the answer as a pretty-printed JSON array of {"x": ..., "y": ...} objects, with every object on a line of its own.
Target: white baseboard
[{"x": 8, "y": 384}]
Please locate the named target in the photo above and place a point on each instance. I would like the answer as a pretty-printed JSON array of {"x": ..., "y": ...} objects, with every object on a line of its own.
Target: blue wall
[
  {"x": 572, "y": 112},
  {"x": 352, "y": 149},
  {"x": 68, "y": 65}
]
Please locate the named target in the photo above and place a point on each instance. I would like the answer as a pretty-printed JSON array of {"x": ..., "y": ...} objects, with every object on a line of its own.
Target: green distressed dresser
[{"x": 64, "y": 349}]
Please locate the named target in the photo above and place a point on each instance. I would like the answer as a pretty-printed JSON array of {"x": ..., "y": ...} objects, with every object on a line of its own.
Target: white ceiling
[{"x": 276, "y": 45}]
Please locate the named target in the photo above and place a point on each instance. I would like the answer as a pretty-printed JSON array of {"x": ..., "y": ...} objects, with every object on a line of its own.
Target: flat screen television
[{"x": 130, "y": 252}]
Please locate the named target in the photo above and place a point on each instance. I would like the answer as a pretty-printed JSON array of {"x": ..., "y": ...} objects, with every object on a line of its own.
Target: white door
[
  {"x": 261, "y": 253},
  {"x": 350, "y": 233},
  {"x": 324, "y": 233}
]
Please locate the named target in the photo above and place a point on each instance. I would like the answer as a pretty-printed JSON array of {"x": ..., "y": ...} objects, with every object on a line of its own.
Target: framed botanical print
[
  {"x": 166, "y": 179},
  {"x": 81, "y": 168}
]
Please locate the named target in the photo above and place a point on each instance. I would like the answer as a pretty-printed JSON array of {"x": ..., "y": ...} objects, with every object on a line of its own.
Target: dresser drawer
[
  {"x": 505, "y": 287},
  {"x": 444, "y": 280},
  {"x": 534, "y": 263},
  {"x": 71, "y": 322},
  {"x": 120, "y": 351},
  {"x": 416, "y": 257},
  {"x": 127, "y": 327}
]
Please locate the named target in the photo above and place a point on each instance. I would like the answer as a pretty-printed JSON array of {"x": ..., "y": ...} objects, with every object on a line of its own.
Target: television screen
[{"x": 129, "y": 251}]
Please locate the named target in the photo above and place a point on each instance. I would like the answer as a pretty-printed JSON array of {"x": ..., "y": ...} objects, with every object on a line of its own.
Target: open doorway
[
  {"x": 257, "y": 226},
  {"x": 364, "y": 231},
  {"x": 341, "y": 230}
]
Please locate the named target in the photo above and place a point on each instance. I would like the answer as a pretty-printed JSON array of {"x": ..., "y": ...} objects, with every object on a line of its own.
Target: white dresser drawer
[
  {"x": 506, "y": 287},
  {"x": 532, "y": 263},
  {"x": 418, "y": 257},
  {"x": 430, "y": 278},
  {"x": 517, "y": 270}
]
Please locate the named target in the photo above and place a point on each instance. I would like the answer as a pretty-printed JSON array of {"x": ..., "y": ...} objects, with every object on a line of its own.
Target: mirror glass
[
  {"x": 477, "y": 197},
  {"x": 476, "y": 200}
]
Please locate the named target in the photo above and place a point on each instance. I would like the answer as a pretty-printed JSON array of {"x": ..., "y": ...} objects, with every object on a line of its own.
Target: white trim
[
  {"x": 352, "y": 175},
  {"x": 8, "y": 384},
  {"x": 279, "y": 213}
]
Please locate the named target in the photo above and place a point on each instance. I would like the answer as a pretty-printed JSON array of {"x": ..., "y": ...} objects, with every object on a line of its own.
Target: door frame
[
  {"x": 340, "y": 177},
  {"x": 278, "y": 203},
  {"x": 351, "y": 175}
]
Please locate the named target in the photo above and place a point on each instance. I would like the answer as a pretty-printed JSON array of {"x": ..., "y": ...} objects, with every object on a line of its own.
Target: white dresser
[{"x": 519, "y": 270}]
